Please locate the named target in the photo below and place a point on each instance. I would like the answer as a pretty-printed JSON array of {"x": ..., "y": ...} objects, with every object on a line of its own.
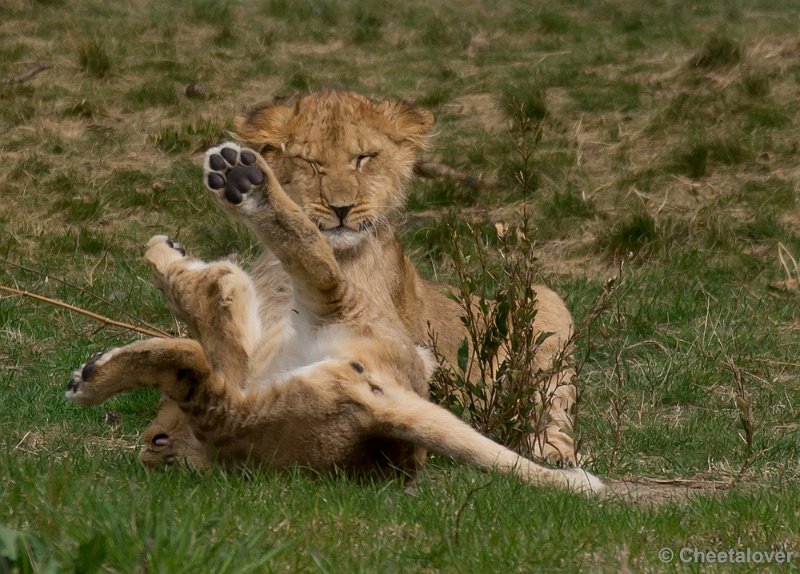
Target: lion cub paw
[
  {"x": 159, "y": 450},
  {"x": 172, "y": 445},
  {"x": 80, "y": 388},
  {"x": 232, "y": 171}
]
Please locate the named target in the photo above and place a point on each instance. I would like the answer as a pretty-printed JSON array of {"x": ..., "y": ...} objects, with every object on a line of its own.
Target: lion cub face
[{"x": 344, "y": 158}]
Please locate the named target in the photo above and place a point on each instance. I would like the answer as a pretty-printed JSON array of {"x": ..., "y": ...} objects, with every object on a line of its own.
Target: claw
[{"x": 161, "y": 439}]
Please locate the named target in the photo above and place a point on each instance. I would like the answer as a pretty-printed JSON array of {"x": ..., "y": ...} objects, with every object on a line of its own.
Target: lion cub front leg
[{"x": 243, "y": 184}]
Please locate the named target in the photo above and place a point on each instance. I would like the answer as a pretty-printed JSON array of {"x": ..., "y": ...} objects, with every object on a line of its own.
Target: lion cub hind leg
[
  {"x": 554, "y": 442},
  {"x": 404, "y": 415},
  {"x": 173, "y": 365},
  {"x": 179, "y": 368},
  {"x": 216, "y": 300}
]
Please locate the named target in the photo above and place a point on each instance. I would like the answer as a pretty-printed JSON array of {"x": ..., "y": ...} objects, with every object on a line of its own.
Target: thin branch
[
  {"x": 85, "y": 292},
  {"x": 37, "y": 69},
  {"x": 95, "y": 316},
  {"x": 433, "y": 170}
]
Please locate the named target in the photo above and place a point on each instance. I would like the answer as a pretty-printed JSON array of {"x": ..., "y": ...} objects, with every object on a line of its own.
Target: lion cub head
[{"x": 344, "y": 158}]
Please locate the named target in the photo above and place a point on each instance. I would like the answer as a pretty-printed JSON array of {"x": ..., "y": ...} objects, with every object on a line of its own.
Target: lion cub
[{"x": 336, "y": 382}]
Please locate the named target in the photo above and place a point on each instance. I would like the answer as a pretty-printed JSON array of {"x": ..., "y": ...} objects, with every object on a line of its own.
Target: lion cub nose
[{"x": 341, "y": 211}]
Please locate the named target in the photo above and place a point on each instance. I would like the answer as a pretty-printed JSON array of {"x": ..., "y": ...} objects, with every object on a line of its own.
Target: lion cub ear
[
  {"x": 408, "y": 124},
  {"x": 263, "y": 127}
]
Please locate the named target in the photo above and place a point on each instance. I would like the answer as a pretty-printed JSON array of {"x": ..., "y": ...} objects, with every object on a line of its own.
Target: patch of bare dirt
[
  {"x": 572, "y": 257},
  {"x": 48, "y": 442},
  {"x": 568, "y": 257},
  {"x": 313, "y": 49},
  {"x": 652, "y": 492},
  {"x": 482, "y": 110}
]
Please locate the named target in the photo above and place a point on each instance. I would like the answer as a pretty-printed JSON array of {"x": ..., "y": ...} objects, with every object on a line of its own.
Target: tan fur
[
  {"x": 332, "y": 381},
  {"x": 313, "y": 145}
]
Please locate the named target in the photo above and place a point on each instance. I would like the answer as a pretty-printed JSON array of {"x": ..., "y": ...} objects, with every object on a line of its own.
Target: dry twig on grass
[
  {"x": 30, "y": 73},
  {"x": 90, "y": 314},
  {"x": 744, "y": 407},
  {"x": 792, "y": 270},
  {"x": 434, "y": 170},
  {"x": 103, "y": 300}
]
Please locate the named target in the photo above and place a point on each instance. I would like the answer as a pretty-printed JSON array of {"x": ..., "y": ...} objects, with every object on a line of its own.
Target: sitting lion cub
[{"x": 335, "y": 382}]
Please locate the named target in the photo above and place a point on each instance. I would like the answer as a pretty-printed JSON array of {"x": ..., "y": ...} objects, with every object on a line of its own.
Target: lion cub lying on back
[{"x": 335, "y": 382}]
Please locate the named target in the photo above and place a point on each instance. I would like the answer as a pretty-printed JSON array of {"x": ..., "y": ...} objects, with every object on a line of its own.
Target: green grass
[
  {"x": 301, "y": 523},
  {"x": 665, "y": 137},
  {"x": 718, "y": 51},
  {"x": 197, "y": 136},
  {"x": 93, "y": 57}
]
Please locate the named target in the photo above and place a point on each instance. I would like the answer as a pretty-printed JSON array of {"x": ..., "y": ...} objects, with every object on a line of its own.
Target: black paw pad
[
  {"x": 233, "y": 171},
  {"x": 241, "y": 179},
  {"x": 216, "y": 181},
  {"x": 73, "y": 384},
  {"x": 89, "y": 367},
  {"x": 176, "y": 246},
  {"x": 229, "y": 154},
  {"x": 83, "y": 373},
  {"x": 217, "y": 162}
]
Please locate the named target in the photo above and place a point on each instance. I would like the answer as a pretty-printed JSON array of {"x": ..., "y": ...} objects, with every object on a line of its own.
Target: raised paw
[
  {"x": 176, "y": 246},
  {"x": 80, "y": 388},
  {"x": 162, "y": 252},
  {"x": 232, "y": 170}
]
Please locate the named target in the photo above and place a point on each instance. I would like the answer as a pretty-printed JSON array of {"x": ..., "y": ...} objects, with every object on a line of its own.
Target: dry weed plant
[
  {"x": 744, "y": 407},
  {"x": 527, "y": 132},
  {"x": 611, "y": 332},
  {"x": 495, "y": 385},
  {"x": 492, "y": 385}
]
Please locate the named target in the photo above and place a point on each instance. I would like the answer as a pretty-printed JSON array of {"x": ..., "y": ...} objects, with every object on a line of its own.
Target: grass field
[{"x": 667, "y": 139}]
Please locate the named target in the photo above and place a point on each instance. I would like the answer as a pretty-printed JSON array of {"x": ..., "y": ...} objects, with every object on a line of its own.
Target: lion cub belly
[{"x": 296, "y": 346}]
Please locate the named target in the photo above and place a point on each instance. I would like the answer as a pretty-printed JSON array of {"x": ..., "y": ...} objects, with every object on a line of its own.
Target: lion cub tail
[{"x": 406, "y": 416}]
